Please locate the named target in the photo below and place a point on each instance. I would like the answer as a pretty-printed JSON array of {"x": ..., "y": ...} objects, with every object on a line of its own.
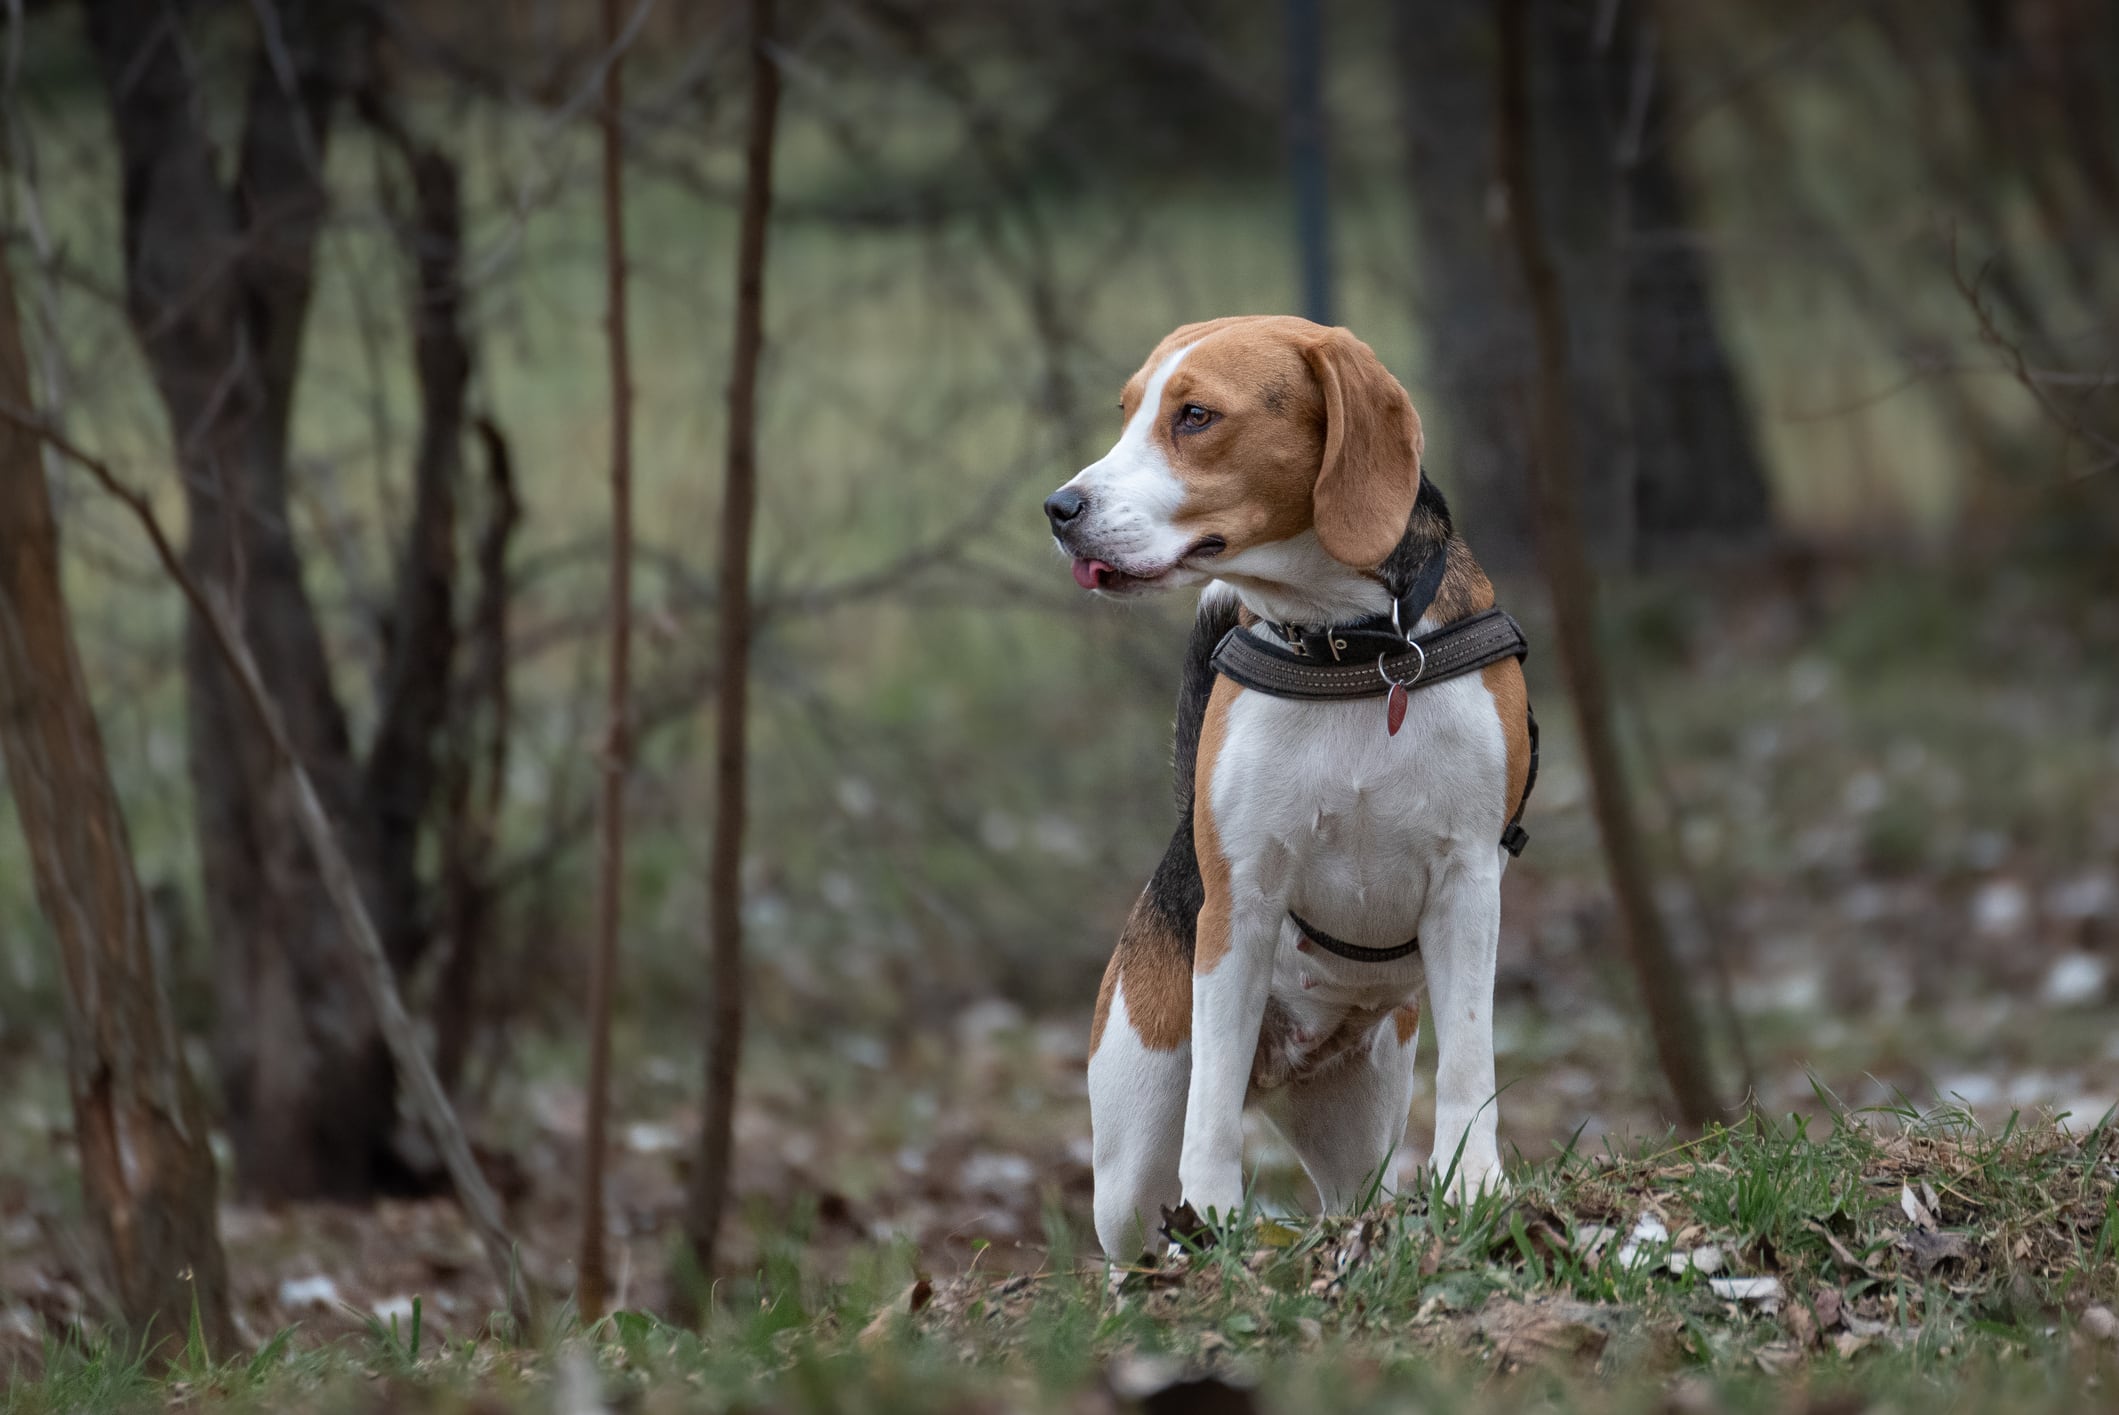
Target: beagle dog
[{"x": 1277, "y": 463}]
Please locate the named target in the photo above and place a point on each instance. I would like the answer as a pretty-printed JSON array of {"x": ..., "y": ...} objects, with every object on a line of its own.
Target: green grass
[{"x": 1920, "y": 1261}]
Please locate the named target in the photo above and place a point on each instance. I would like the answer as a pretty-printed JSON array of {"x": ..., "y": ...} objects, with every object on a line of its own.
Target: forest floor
[{"x": 1887, "y": 1260}]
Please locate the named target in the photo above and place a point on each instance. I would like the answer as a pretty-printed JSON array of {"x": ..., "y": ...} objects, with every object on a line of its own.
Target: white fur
[{"x": 1296, "y": 581}]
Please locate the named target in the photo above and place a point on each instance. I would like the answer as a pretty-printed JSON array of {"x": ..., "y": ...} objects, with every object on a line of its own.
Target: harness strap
[
  {"x": 1353, "y": 952},
  {"x": 1435, "y": 657},
  {"x": 1516, "y": 837}
]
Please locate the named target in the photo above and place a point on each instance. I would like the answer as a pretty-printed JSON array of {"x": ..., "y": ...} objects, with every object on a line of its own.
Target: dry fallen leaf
[
  {"x": 1801, "y": 1325},
  {"x": 1746, "y": 1289},
  {"x": 1590, "y": 1239},
  {"x": 916, "y": 1296},
  {"x": 1778, "y": 1356},
  {"x": 1707, "y": 1258},
  {"x": 1526, "y": 1332},
  {"x": 1931, "y": 1249},
  {"x": 1840, "y": 1254},
  {"x": 1184, "y": 1227},
  {"x": 1648, "y": 1233}
]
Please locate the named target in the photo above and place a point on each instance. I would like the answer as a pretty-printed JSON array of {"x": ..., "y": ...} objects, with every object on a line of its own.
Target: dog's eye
[{"x": 1191, "y": 418}]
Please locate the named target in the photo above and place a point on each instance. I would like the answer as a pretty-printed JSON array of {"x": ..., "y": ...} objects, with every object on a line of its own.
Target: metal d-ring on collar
[{"x": 1418, "y": 672}]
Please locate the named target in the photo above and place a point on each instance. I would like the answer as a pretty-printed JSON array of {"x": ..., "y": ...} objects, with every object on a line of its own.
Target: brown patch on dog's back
[
  {"x": 1211, "y": 943},
  {"x": 1407, "y": 1019},
  {"x": 1150, "y": 968},
  {"x": 1504, "y": 680}
]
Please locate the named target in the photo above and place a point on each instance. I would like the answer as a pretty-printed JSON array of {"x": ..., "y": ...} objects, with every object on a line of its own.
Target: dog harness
[{"x": 1376, "y": 658}]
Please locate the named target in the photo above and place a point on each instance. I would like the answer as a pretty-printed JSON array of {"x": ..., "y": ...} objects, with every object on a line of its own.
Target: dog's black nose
[{"x": 1063, "y": 506}]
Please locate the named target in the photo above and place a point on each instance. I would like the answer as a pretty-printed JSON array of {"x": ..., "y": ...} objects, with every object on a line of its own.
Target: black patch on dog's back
[
  {"x": 1175, "y": 892},
  {"x": 1428, "y": 526}
]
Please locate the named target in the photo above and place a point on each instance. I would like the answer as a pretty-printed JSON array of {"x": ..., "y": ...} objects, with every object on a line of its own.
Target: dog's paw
[{"x": 1214, "y": 1193}]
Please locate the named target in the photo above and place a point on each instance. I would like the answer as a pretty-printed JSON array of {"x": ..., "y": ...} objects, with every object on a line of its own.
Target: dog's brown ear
[{"x": 1371, "y": 469}]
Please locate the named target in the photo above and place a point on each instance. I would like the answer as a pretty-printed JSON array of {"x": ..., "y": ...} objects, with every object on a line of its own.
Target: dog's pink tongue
[{"x": 1090, "y": 573}]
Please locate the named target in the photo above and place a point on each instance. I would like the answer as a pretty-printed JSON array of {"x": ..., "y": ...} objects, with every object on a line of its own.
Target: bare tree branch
[
  {"x": 710, "y": 1181},
  {"x": 2038, "y": 383}
]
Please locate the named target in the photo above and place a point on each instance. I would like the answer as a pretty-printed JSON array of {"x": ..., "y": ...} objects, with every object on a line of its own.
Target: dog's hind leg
[
  {"x": 1345, "y": 1122},
  {"x": 1138, "y": 1076}
]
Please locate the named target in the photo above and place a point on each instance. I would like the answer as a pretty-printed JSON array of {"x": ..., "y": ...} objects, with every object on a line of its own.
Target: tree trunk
[
  {"x": 1309, "y": 157},
  {"x": 403, "y": 770},
  {"x": 1699, "y": 484},
  {"x": 1556, "y": 477},
  {"x": 1669, "y": 464},
  {"x": 1476, "y": 338},
  {"x": 218, "y": 283},
  {"x": 618, "y": 737},
  {"x": 710, "y": 1180},
  {"x": 476, "y": 774},
  {"x": 147, "y": 1173}
]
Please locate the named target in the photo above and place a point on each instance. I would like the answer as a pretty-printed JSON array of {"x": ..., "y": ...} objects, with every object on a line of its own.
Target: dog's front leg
[
  {"x": 1459, "y": 936},
  {"x": 1232, "y": 973}
]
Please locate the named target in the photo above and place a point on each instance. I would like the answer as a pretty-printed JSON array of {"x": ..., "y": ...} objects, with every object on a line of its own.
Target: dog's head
[{"x": 1257, "y": 448}]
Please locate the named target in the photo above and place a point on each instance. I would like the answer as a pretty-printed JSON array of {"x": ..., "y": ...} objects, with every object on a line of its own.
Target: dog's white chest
[{"x": 1320, "y": 808}]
